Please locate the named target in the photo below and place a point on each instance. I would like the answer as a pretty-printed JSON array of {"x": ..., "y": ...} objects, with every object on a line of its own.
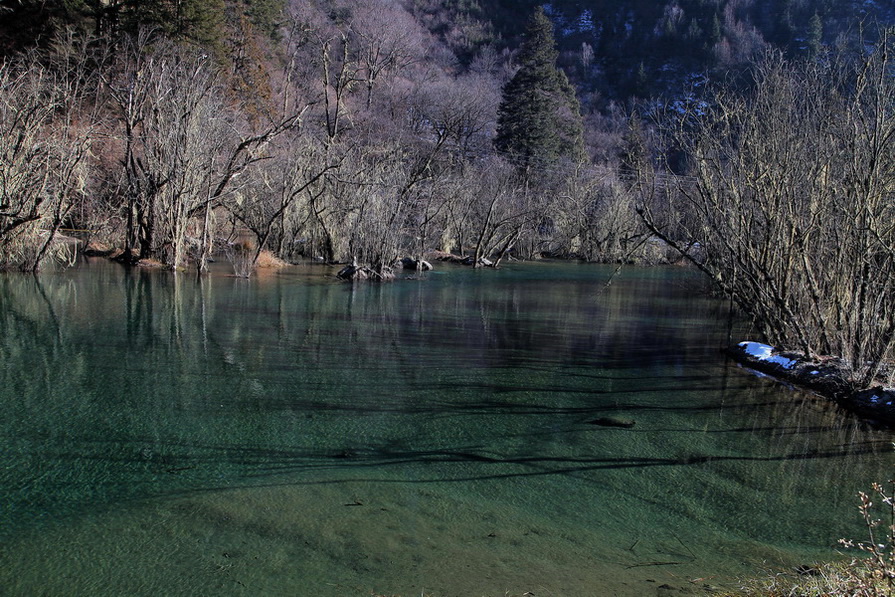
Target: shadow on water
[
  {"x": 266, "y": 461},
  {"x": 121, "y": 385}
]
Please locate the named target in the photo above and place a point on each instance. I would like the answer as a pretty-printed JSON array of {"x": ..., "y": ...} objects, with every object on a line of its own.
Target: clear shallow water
[{"x": 290, "y": 435}]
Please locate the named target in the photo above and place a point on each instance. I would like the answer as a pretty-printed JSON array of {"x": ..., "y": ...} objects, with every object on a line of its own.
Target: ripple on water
[{"x": 291, "y": 436}]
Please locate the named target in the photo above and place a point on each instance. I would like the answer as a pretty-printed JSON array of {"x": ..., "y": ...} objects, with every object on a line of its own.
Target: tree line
[
  {"x": 788, "y": 204},
  {"x": 345, "y": 144},
  {"x": 353, "y": 134}
]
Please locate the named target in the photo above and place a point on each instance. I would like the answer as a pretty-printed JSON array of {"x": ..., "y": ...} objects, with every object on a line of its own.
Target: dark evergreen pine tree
[
  {"x": 200, "y": 21},
  {"x": 266, "y": 15},
  {"x": 715, "y": 34},
  {"x": 815, "y": 36},
  {"x": 539, "y": 118}
]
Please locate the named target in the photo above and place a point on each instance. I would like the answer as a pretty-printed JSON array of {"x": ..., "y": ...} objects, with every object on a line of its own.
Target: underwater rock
[{"x": 613, "y": 422}]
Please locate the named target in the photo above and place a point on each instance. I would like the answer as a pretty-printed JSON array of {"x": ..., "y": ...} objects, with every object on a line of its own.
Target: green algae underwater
[{"x": 293, "y": 435}]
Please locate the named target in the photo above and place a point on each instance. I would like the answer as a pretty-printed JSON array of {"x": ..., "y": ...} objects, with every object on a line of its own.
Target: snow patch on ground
[{"x": 763, "y": 352}]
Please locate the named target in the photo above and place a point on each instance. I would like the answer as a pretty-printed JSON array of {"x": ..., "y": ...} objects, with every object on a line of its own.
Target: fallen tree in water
[{"x": 828, "y": 376}]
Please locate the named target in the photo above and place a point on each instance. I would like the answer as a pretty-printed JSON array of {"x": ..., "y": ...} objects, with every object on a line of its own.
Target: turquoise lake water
[{"x": 293, "y": 435}]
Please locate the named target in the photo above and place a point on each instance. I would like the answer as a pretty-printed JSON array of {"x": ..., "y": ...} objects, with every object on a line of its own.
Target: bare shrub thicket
[
  {"x": 184, "y": 146},
  {"x": 502, "y": 210},
  {"x": 273, "y": 202},
  {"x": 44, "y": 162},
  {"x": 592, "y": 218},
  {"x": 790, "y": 205},
  {"x": 364, "y": 142}
]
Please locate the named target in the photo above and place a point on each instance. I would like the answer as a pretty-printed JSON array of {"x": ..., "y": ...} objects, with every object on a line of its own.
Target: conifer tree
[
  {"x": 200, "y": 21},
  {"x": 539, "y": 118},
  {"x": 815, "y": 36}
]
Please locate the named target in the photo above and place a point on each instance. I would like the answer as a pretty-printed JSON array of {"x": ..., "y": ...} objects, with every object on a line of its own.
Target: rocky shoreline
[{"x": 825, "y": 376}]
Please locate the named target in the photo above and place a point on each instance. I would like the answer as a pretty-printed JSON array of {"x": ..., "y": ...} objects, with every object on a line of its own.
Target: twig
[
  {"x": 687, "y": 547},
  {"x": 653, "y": 564}
]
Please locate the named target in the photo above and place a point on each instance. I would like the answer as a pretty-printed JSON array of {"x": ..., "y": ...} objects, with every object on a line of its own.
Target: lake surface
[{"x": 292, "y": 435}]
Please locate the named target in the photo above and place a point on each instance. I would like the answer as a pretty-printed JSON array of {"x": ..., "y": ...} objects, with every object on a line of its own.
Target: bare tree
[
  {"x": 387, "y": 39},
  {"x": 459, "y": 112},
  {"x": 340, "y": 75},
  {"x": 789, "y": 203},
  {"x": 593, "y": 217},
  {"x": 386, "y": 188},
  {"x": 502, "y": 210},
  {"x": 183, "y": 148},
  {"x": 43, "y": 157},
  {"x": 272, "y": 206}
]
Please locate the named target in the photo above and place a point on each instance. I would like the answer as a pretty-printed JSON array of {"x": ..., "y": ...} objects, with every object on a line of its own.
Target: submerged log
[{"x": 613, "y": 422}]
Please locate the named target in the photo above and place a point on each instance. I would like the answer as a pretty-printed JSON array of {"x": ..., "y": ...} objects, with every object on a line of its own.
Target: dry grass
[
  {"x": 268, "y": 260},
  {"x": 847, "y": 579},
  {"x": 872, "y": 575},
  {"x": 152, "y": 263}
]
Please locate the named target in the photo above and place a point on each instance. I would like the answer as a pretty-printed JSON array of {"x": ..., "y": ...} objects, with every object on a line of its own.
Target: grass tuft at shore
[{"x": 872, "y": 575}]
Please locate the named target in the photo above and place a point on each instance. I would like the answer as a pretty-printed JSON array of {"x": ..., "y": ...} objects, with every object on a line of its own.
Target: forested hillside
[
  {"x": 624, "y": 49},
  {"x": 613, "y": 50}
]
